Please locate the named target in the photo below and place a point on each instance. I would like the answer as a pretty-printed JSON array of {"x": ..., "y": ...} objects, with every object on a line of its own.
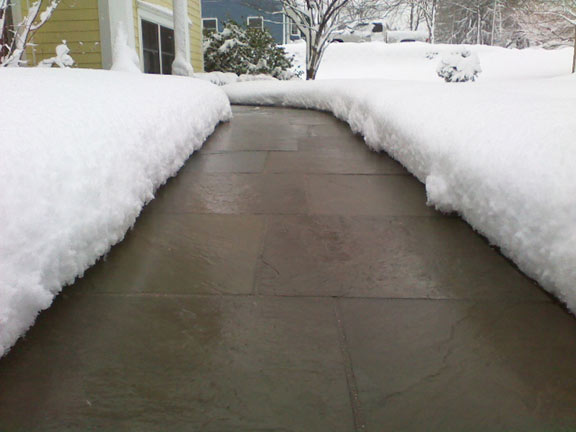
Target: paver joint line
[{"x": 359, "y": 422}]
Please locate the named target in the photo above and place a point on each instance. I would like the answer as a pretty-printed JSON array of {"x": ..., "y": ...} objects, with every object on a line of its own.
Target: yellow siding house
[{"x": 89, "y": 28}]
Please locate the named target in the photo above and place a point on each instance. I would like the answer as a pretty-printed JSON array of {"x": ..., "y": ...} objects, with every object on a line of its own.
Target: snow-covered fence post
[
  {"x": 181, "y": 65},
  {"x": 24, "y": 31}
]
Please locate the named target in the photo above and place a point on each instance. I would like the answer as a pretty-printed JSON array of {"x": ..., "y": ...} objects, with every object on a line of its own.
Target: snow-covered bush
[
  {"x": 459, "y": 66},
  {"x": 244, "y": 51}
]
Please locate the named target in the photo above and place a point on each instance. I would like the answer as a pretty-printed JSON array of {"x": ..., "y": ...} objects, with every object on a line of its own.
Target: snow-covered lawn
[
  {"x": 501, "y": 152},
  {"x": 418, "y": 61},
  {"x": 81, "y": 152}
]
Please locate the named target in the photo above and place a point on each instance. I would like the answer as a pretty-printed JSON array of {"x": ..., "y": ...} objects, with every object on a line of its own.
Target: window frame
[
  {"x": 161, "y": 52},
  {"x": 160, "y": 16},
  {"x": 261, "y": 18},
  {"x": 294, "y": 30},
  {"x": 210, "y": 29}
]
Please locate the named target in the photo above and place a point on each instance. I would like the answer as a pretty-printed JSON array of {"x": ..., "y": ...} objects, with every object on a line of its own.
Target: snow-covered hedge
[
  {"x": 81, "y": 152},
  {"x": 503, "y": 155}
]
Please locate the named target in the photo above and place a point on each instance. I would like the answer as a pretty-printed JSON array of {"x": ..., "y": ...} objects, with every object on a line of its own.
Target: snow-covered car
[
  {"x": 360, "y": 32},
  {"x": 397, "y": 36}
]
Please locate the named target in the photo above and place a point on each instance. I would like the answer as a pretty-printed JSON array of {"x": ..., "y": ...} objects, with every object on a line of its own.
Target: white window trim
[
  {"x": 154, "y": 14},
  {"x": 157, "y": 15},
  {"x": 261, "y": 20},
  {"x": 211, "y": 19}
]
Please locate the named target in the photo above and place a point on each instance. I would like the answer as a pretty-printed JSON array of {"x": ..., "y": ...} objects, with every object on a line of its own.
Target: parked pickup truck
[
  {"x": 406, "y": 36},
  {"x": 376, "y": 31},
  {"x": 360, "y": 32}
]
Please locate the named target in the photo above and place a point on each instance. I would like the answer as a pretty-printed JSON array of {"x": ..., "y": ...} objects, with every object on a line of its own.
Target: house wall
[
  {"x": 75, "y": 21},
  {"x": 240, "y": 10}
]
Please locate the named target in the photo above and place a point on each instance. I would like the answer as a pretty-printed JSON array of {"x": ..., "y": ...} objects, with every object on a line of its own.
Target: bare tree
[
  {"x": 22, "y": 33},
  {"x": 317, "y": 20},
  {"x": 564, "y": 10},
  {"x": 548, "y": 22},
  {"x": 417, "y": 13},
  {"x": 364, "y": 10}
]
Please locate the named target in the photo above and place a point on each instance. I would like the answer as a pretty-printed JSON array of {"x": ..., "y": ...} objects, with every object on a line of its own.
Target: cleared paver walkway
[{"x": 288, "y": 279}]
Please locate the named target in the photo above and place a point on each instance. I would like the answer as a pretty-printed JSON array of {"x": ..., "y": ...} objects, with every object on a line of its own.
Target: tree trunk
[
  {"x": 311, "y": 57},
  {"x": 493, "y": 30},
  {"x": 181, "y": 65}
]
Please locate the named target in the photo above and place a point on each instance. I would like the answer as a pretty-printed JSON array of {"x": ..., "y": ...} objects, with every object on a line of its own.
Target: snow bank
[
  {"x": 503, "y": 155},
  {"x": 81, "y": 153},
  {"x": 225, "y": 78},
  {"x": 217, "y": 78},
  {"x": 418, "y": 61}
]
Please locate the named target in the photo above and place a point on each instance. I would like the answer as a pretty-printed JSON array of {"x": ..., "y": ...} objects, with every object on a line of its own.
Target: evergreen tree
[{"x": 245, "y": 51}]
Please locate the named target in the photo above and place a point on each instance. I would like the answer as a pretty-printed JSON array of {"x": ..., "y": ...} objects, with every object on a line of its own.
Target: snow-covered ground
[
  {"x": 501, "y": 151},
  {"x": 418, "y": 61},
  {"x": 81, "y": 152}
]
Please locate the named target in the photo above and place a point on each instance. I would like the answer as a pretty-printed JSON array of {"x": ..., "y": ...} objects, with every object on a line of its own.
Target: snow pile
[
  {"x": 255, "y": 77},
  {"x": 418, "y": 61},
  {"x": 503, "y": 155},
  {"x": 82, "y": 152},
  {"x": 459, "y": 66},
  {"x": 125, "y": 58},
  {"x": 396, "y": 36},
  {"x": 217, "y": 78},
  {"x": 225, "y": 78},
  {"x": 63, "y": 59}
]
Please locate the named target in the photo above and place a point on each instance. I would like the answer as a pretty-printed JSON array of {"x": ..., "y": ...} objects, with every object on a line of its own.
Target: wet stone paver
[{"x": 288, "y": 279}]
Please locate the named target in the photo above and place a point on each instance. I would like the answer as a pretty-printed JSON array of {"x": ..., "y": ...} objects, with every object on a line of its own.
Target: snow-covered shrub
[
  {"x": 459, "y": 66},
  {"x": 244, "y": 51}
]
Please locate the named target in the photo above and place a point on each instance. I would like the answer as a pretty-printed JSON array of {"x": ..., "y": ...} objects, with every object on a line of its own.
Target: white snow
[
  {"x": 125, "y": 58},
  {"x": 225, "y": 78},
  {"x": 418, "y": 61},
  {"x": 81, "y": 153},
  {"x": 218, "y": 78},
  {"x": 501, "y": 151},
  {"x": 459, "y": 66},
  {"x": 229, "y": 44}
]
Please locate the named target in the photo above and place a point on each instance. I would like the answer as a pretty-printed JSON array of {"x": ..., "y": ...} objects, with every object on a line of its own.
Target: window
[
  {"x": 210, "y": 24},
  {"x": 256, "y": 22},
  {"x": 378, "y": 28},
  {"x": 8, "y": 31},
  {"x": 158, "y": 48},
  {"x": 294, "y": 30}
]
